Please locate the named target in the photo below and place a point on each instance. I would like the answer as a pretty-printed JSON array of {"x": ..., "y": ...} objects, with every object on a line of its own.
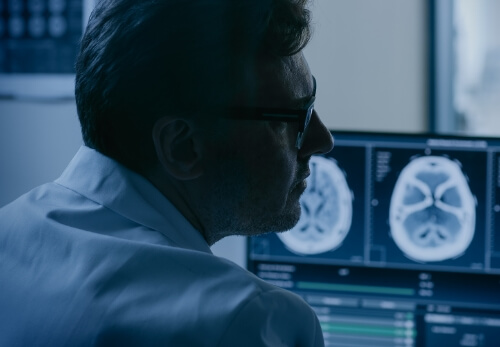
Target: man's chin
[
  {"x": 290, "y": 220},
  {"x": 271, "y": 221},
  {"x": 279, "y": 224},
  {"x": 301, "y": 187}
]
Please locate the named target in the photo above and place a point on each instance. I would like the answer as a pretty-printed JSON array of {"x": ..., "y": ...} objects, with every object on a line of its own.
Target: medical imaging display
[
  {"x": 429, "y": 204},
  {"x": 326, "y": 210},
  {"x": 432, "y": 210},
  {"x": 398, "y": 243}
]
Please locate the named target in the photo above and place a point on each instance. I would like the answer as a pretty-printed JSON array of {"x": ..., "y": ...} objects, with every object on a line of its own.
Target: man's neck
[{"x": 175, "y": 193}]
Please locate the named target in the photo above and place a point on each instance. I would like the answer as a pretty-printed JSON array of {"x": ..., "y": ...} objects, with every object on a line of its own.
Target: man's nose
[{"x": 318, "y": 139}]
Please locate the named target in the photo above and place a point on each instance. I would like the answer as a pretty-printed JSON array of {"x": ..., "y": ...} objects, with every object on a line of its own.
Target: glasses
[{"x": 301, "y": 116}]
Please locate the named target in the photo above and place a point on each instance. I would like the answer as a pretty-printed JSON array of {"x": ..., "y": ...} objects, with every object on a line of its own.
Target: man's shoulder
[
  {"x": 237, "y": 278},
  {"x": 35, "y": 204},
  {"x": 262, "y": 313},
  {"x": 271, "y": 316},
  {"x": 49, "y": 194},
  {"x": 46, "y": 207}
]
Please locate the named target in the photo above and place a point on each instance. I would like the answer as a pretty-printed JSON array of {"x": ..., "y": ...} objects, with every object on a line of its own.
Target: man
[{"x": 198, "y": 123}]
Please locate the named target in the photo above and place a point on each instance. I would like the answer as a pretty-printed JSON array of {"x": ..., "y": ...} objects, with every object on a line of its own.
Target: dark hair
[{"x": 142, "y": 59}]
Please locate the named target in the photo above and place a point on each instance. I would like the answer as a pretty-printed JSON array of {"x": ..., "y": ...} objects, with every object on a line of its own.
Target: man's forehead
[{"x": 285, "y": 80}]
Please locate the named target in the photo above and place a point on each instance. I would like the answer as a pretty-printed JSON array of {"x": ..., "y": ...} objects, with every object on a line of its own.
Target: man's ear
[{"x": 178, "y": 147}]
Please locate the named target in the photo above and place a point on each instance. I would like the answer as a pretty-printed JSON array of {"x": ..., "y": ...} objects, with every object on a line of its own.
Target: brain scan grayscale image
[
  {"x": 432, "y": 210},
  {"x": 326, "y": 210}
]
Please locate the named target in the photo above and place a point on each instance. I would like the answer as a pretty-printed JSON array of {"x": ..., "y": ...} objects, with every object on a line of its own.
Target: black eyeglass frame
[{"x": 302, "y": 116}]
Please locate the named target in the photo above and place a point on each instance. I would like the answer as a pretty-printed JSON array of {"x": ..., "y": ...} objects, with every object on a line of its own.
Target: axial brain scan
[
  {"x": 432, "y": 210},
  {"x": 326, "y": 210}
]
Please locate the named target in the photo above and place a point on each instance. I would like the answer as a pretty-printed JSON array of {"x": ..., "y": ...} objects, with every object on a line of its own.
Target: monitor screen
[{"x": 398, "y": 243}]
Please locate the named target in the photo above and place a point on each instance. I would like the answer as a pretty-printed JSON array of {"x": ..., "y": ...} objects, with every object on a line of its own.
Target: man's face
[{"x": 257, "y": 174}]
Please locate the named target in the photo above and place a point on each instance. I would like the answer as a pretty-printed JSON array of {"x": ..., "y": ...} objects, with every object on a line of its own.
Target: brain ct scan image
[
  {"x": 326, "y": 210},
  {"x": 432, "y": 210}
]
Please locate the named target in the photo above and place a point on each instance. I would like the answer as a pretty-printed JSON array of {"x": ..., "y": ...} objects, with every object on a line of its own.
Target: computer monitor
[{"x": 398, "y": 243}]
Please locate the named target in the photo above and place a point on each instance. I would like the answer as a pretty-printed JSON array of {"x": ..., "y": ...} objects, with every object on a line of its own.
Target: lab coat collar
[{"x": 105, "y": 181}]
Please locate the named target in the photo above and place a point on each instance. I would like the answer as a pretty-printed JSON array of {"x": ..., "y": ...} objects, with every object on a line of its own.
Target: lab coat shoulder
[
  {"x": 224, "y": 304},
  {"x": 273, "y": 317}
]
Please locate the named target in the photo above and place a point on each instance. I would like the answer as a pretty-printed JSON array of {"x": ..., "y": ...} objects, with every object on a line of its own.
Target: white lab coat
[{"x": 100, "y": 257}]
